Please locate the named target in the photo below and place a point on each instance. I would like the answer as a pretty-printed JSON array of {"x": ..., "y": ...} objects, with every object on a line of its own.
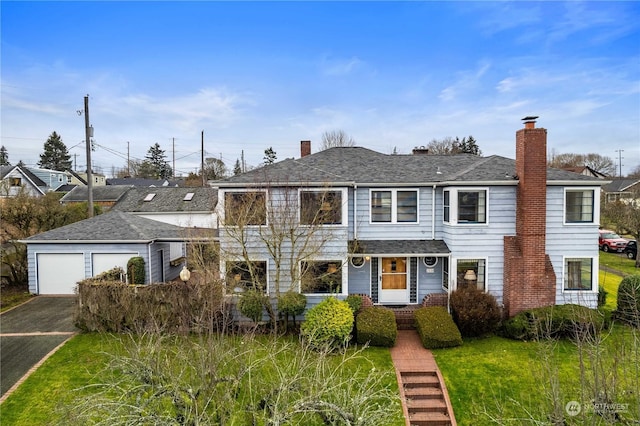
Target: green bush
[
  {"x": 436, "y": 328},
  {"x": 355, "y": 302},
  {"x": 602, "y": 296},
  {"x": 113, "y": 274},
  {"x": 376, "y": 326},
  {"x": 328, "y": 324},
  {"x": 559, "y": 321},
  {"x": 474, "y": 311},
  {"x": 628, "y": 308},
  {"x": 135, "y": 270},
  {"x": 291, "y": 304},
  {"x": 251, "y": 304}
]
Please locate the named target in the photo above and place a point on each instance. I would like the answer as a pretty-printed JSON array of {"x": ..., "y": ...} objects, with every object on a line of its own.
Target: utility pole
[
  {"x": 620, "y": 151},
  {"x": 243, "y": 166},
  {"x": 88, "y": 131},
  {"x": 128, "y": 162},
  {"x": 204, "y": 179},
  {"x": 173, "y": 149}
]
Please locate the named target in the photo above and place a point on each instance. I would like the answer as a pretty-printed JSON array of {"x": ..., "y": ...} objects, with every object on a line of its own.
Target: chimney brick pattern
[{"x": 305, "y": 148}]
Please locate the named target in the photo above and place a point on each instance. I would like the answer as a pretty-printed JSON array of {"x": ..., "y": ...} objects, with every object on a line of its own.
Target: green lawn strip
[
  {"x": 610, "y": 282},
  {"x": 619, "y": 262},
  {"x": 44, "y": 397}
]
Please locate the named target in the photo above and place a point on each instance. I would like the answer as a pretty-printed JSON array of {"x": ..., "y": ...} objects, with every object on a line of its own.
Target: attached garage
[
  {"x": 58, "y": 273},
  {"x": 101, "y": 262}
]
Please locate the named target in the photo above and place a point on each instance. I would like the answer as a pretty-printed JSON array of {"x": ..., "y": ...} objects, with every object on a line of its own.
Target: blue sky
[{"x": 254, "y": 75}]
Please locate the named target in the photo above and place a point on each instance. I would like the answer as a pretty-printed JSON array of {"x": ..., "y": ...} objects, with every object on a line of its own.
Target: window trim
[
  {"x": 394, "y": 205},
  {"x": 453, "y": 205},
  {"x": 455, "y": 272},
  {"x": 344, "y": 220},
  {"x": 595, "y": 219},
  {"x": 594, "y": 274},
  {"x": 223, "y": 206},
  {"x": 343, "y": 277}
]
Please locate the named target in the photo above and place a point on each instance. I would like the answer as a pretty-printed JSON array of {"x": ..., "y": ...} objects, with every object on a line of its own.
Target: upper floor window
[
  {"x": 321, "y": 207},
  {"x": 394, "y": 206},
  {"x": 243, "y": 276},
  {"x": 321, "y": 277},
  {"x": 578, "y": 273},
  {"x": 15, "y": 181},
  {"x": 579, "y": 206},
  {"x": 465, "y": 206},
  {"x": 245, "y": 208}
]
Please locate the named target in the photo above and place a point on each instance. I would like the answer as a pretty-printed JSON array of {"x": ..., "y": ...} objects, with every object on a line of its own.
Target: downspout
[
  {"x": 355, "y": 211},
  {"x": 433, "y": 212},
  {"x": 149, "y": 254}
]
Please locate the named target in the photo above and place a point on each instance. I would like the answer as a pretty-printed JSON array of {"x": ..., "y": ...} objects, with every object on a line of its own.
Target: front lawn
[{"x": 618, "y": 262}]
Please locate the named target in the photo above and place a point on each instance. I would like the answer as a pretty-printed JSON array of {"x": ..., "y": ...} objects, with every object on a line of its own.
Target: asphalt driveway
[{"x": 29, "y": 332}]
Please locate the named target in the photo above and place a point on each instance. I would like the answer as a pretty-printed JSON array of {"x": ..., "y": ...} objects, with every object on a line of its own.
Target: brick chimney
[
  {"x": 305, "y": 148},
  {"x": 529, "y": 279},
  {"x": 420, "y": 150}
]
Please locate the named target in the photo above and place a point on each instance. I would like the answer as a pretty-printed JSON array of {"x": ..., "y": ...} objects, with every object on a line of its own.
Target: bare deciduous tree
[
  {"x": 336, "y": 138},
  {"x": 597, "y": 162}
]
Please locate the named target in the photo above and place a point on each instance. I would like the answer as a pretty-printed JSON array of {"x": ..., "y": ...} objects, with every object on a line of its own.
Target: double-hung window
[
  {"x": 242, "y": 276},
  {"x": 579, "y": 206},
  {"x": 578, "y": 273},
  {"x": 394, "y": 206},
  {"x": 321, "y": 207},
  {"x": 464, "y": 206},
  {"x": 245, "y": 208},
  {"x": 471, "y": 272},
  {"x": 321, "y": 277}
]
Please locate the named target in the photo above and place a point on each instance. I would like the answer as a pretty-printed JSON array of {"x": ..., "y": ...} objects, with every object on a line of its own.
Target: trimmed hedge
[
  {"x": 135, "y": 270},
  {"x": 474, "y": 311},
  {"x": 628, "y": 308},
  {"x": 328, "y": 324},
  {"x": 436, "y": 328},
  {"x": 113, "y": 306},
  {"x": 377, "y": 327},
  {"x": 559, "y": 321},
  {"x": 251, "y": 304}
]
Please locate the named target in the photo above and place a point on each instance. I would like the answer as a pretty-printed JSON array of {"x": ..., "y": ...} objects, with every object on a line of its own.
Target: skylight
[
  {"x": 149, "y": 197},
  {"x": 188, "y": 197}
]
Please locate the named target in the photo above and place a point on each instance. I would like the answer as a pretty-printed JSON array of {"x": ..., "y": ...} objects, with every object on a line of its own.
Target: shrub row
[
  {"x": 436, "y": 328},
  {"x": 628, "y": 308},
  {"x": 328, "y": 324},
  {"x": 377, "y": 327},
  {"x": 560, "y": 321},
  {"x": 112, "y": 306}
]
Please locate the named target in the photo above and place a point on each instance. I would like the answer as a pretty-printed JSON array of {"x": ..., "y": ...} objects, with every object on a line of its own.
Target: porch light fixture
[
  {"x": 367, "y": 258},
  {"x": 470, "y": 275},
  {"x": 185, "y": 274}
]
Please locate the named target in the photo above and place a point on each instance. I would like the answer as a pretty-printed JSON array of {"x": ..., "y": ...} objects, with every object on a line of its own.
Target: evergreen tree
[
  {"x": 55, "y": 155},
  {"x": 4, "y": 157},
  {"x": 469, "y": 146},
  {"x": 269, "y": 156},
  {"x": 237, "y": 169},
  {"x": 155, "y": 165}
]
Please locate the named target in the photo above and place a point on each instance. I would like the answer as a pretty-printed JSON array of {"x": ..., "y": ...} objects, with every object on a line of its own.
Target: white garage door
[
  {"x": 58, "y": 273},
  {"x": 104, "y": 261}
]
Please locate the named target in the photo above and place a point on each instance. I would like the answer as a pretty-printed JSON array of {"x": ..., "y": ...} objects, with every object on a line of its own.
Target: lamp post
[{"x": 185, "y": 274}]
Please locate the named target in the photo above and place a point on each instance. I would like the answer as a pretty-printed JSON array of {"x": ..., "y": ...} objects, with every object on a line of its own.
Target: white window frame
[
  {"x": 394, "y": 205},
  {"x": 454, "y": 270},
  {"x": 223, "y": 211},
  {"x": 596, "y": 205},
  {"x": 343, "y": 274},
  {"x": 344, "y": 196},
  {"x": 265, "y": 260},
  {"x": 595, "y": 267},
  {"x": 453, "y": 205}
]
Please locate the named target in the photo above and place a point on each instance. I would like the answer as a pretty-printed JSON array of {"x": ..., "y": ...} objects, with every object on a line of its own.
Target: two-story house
[{"x": 400, "y": 228}]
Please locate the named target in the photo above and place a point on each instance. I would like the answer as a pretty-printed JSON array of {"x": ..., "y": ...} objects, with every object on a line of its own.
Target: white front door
[{"x": 393, "y": 273}]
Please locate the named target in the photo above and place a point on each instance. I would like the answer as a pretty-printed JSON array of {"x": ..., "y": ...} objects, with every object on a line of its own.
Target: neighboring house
[
  {"x": 53, "y": 179},
  {"x": 59, "y": 258},
  {"x": 586, "y": 171},
  {"x": 144, "y": 182},
  {"x": 180, "y": 206},
  {"x": 16, "y": 179},
  {"x": 625, "y": 190},
  {"x": 401, "y": 228},
  {"x": 81, "y": 178},
  {"x": 104, "y": 196}
]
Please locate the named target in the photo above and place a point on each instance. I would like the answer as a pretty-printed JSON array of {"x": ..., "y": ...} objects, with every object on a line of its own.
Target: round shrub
[
  {"x": 328, "y": 324},
  {"x": 628, "y": 308},
  {"x": 474, "y": 311},
  {"x": 251, "y": 304},
  {"x": 355, "y": 302},
  {"x": 292, "y": 303},
  {"x": 135, "y": 270},
  {"x": 377, "y": 326}
]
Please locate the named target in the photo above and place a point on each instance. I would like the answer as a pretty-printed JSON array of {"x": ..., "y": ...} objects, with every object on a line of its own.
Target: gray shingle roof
[
  {"x": 113, "y": 227},
  {"x": 168, "y": 200},
  {"x": 620, "y": 185},
  {"x": 364, "y": 166},
  {"x": 108, "y": 193},
  {"x": 402, "y": 247}
]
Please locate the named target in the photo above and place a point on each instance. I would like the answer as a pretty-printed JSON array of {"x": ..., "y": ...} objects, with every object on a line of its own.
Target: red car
[{"x": 610, "y": 241}]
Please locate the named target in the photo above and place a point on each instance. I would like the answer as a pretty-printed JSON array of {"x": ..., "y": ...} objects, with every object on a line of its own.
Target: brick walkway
[{"x": 424, "y": 395}]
